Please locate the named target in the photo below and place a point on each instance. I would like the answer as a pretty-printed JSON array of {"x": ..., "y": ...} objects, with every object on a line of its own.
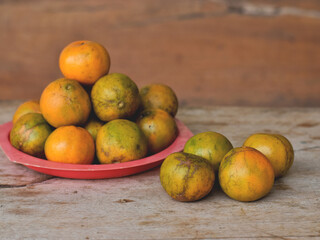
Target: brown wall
[{"x": 218, "y": 52}]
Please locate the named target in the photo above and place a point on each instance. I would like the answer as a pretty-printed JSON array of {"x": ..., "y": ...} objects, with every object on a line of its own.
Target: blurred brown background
[{"x": 219, "y": 52}]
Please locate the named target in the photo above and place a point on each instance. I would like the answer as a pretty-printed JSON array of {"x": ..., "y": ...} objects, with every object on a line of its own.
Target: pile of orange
[
  {"x": 93, "y": 113},
  {"x": 245, "y": 173}
]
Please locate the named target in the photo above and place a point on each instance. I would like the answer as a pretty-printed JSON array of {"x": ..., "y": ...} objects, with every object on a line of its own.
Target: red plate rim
[{"x": 17, "y": 156}]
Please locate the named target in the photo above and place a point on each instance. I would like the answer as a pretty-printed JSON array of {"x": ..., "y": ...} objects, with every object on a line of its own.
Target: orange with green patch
[
  {"x": 276, "y": 148},
  {"x": 30, "y": 133},
  {"x": 84, "y": 61},
  {"x": 70, "y": 144},
  {"x": 186, "y": 177},
  {"x": 93, "y": 125},
  {"x": 159, "y": 96},
  {"x": 64, "y": 102},
  {"x": 212, "y": 146},
  {"x": 26, "y": 107},
  {"x": 159, "y": 127},
  {"x": 115, "y": 96},
  {"x": 120, "y": 140},
  {"x": 245, "y": 174}
]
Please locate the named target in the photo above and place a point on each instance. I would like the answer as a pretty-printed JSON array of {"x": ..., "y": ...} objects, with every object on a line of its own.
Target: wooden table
[{"x": 37, "y": 206}]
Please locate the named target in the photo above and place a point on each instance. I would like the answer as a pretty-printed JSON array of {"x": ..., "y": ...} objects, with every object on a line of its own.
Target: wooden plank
[
  {"x": 137, "y": 207},
  {"x": 263, "y": 53}
]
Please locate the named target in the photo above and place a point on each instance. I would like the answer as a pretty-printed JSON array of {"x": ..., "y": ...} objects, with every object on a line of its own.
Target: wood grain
[
  {"x": 137, "y": 207},
  {"x": 219, "y": 52}
]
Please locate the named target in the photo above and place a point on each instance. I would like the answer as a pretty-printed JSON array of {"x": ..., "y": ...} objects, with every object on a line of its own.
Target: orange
[
  {"x": 84, "y": 61},
  {"x": 186, "y": 177},
  {"x": 93, "y": 125},
  {"x": 212, "y": 146},
  {"x": 26, "y": 107},
  {"x": 245, "y": 174},
  {"x": 30, "y": 133},
  {"x": 115, "y": 96},
  {"x": 159, "y": 127},
  {"x": 70, "y": 144},
  {"x": 276, "y": 148},
  {"x": 64, "y": 102},
  {"x": 120, "y": 140},
  {"x": 159, "y": 96}
]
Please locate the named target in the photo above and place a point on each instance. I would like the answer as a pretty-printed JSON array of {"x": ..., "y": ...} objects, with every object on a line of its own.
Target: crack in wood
[
  {"x": 124, "y": 200},
  {"x": 24, "y": 185},
  {"x": 12, "y": 186},
  {"x": 307, "y": 148}
]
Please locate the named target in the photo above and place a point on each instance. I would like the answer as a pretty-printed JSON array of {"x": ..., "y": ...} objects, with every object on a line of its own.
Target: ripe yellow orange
[
  {"x": 64, "y": 102},
  {"x": 186, "y": 177},
  {"x": 115, "y": 96},
  {"x": 30, "y": 133},
  {"x": 70, "y": 144},
  {"x": 212, "y": 146},
  {"x": 159, "y": 96},
  {"x": 276, "y": 148},
  {"x": 84, "y": 61},
  {"x": 120, "y": 140},
  {"x": 159, "y": 127},
  {"x": 26, "y": 107},
  {"x": 245, "y": 174}
]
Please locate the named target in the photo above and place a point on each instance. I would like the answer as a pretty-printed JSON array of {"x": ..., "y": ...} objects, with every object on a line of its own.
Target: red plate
[{"x": 78, "y": 171}]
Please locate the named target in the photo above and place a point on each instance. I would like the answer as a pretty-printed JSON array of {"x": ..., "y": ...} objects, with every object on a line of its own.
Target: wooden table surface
[{"x": 37, "y": 206}]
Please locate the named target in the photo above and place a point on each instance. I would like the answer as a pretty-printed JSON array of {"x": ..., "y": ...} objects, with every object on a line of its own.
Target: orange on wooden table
[
  {"x": 159, "y": 127},
  {"x": 276, "y": 148},
  {"x": 84, "y": 61},
  {"x": 159, "y": 96},
  {"x": 212, "y": 146},
  {"x": 186, "y": 177},
  {"x": 245, "y": 174},
  {"x": 64, "y": 102},
  {"x": 31, "y": 106},
  {"x": 70, "y": 144}
]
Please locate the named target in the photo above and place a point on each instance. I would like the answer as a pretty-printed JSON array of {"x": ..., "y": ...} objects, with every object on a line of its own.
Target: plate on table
[{"x": 92, "y": 171}]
